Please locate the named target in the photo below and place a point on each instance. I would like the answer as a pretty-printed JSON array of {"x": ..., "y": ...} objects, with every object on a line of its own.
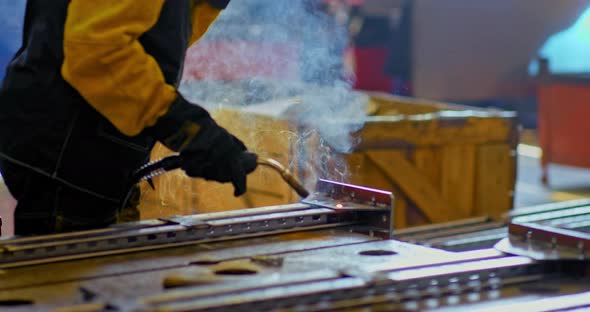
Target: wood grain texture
[
  {"x": 457, "y": 183},
  {"x": 494, "y": 180},
  {"x": 419, "y": 189}
]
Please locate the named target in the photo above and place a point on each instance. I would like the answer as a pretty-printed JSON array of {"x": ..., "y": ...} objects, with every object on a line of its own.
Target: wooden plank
[
  {"x": 418, "y": 188},
  {"x": 213, "y": 197},
  {"x": 392, "y": 131},
  {"x": 398, "y": 107},
  {"x": 457, "y": 182},
  {"x": 400, "y": 211},
  {"x": 412, "y": 105},
  {"x": 427, "y": 161},
  {"x": 262, "y": 134},
  {"x": 495, "y": 179},
  {"x": 360, "y": 173},
  {"x": 174, "y": 194},
  {"x": 265, "y": 188}
]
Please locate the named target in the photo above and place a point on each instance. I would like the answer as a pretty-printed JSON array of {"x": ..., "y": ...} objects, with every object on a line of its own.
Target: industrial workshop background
[
  {"x": 485, "y": 55},
  {"x": 448, "y": 135}
]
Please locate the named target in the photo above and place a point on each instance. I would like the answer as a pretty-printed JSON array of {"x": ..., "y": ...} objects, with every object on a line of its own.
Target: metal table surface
[{"x": 337, "y": 255}]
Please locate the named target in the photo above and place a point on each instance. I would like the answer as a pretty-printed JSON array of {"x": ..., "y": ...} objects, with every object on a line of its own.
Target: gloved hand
[
  {"x": 226, "y": 159},
  {"x": 207, "y": 149}
]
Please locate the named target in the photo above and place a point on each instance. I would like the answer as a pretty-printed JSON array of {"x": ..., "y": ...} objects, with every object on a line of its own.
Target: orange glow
[{"x": 339, "y": 206}]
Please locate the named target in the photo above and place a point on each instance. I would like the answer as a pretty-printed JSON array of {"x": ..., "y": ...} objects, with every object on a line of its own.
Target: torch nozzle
[{"x": 285, "y": 174}]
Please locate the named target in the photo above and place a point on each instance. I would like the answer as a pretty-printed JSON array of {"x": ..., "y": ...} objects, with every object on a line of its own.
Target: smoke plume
[{"x": 260, "y": 53}]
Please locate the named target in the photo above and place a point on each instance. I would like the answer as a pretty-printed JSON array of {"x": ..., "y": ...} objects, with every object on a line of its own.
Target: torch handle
[{"x": 172, "y": 162}]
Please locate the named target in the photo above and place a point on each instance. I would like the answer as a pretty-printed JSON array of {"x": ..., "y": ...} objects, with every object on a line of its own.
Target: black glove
[{"x": 207, "y": 149}]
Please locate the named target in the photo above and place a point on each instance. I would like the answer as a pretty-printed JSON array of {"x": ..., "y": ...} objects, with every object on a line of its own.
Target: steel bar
[
  {"x": 331, "y": 211},
  {"x": 544, "y": 242},
  {"x": 165, "y": 237}
]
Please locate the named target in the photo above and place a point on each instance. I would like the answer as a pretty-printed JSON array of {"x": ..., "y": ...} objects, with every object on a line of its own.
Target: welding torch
[{"x": 148, "y": 171}]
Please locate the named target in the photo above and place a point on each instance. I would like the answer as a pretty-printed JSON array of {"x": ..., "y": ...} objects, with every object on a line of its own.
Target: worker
[{"x": 86, "y": 97}]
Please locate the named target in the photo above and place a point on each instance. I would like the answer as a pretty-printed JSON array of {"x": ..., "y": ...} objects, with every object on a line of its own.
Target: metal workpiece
[
  {"x": 483, "y": 232},
  {"x": 213, "y": 267},
  {"x": 573, "y": 302},
  {"x": 459, "y": 237},
  {"x": 354, "y": 290},
  {"x": 375, "y": 207},
  {"x": 331, "y": 252},
  {"x": 554, "y": 213},
  {"x": 544, "y": 242},
  {"x": 19, "y": 253},
  {"x": 370, "y": 211},
  {"x": 470, "y": 241}
]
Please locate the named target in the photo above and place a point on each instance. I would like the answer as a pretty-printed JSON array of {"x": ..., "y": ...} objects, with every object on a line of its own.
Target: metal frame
[
  {"x": 544, "y": 242},
  {"x": 333, "y": 205}
]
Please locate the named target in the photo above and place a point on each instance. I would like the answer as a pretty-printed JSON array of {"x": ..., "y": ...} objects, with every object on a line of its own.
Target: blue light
[
  {"x": 568, "y": 51},
  {"x": 11, "y": 24}
]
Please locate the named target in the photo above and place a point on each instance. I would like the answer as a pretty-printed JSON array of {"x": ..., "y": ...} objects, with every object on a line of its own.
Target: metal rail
[
  {"x": 329, "y": 208},
  {"x": 363, "y": 289},
  {"x": 543, "y": 242}
]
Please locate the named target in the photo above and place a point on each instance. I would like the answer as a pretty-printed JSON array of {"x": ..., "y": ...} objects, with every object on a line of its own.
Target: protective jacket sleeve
[
  {"x": 203, "y": 15},
  {"x": 105, "y": 62},
  {"x": 107, "y": 65}
]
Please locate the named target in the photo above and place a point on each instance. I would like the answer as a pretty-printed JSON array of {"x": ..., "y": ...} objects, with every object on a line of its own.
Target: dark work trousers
[{"x": 46, "y": 206}]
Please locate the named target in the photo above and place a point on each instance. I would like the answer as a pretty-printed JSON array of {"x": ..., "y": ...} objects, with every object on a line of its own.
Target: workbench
[{"x": 334, "y": 251}]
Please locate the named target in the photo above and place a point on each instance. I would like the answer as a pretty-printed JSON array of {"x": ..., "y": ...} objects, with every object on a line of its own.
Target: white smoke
[{"x": 261, "y": 51}]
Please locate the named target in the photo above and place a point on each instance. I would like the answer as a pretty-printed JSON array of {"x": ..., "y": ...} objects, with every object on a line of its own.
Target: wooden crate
[{"x": 443, "y": 162}]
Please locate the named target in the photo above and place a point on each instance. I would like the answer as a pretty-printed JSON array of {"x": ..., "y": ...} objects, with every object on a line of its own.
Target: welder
[{"x": 86, "y": 97}]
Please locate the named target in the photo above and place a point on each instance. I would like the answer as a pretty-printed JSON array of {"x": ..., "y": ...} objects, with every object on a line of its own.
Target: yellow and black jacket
[{"x": 90, "y": 77}]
